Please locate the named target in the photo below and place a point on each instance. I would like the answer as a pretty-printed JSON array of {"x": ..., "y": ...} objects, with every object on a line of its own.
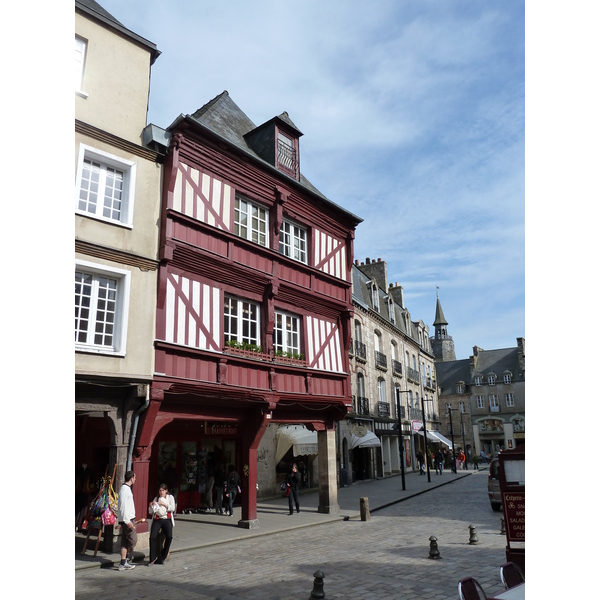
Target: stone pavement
[{"x": 208, "y": 529}]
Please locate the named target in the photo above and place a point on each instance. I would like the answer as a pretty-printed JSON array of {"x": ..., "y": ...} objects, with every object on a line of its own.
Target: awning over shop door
[
  {"x": 442, "y": 439},
  {"x": 303, "y": 441},
  {"x": 369, "y": 440},
  {"x": 430, "y": 436}
]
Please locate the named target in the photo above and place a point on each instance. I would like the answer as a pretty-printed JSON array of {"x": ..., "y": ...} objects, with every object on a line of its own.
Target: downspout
[{"x": 134, "y": 425}]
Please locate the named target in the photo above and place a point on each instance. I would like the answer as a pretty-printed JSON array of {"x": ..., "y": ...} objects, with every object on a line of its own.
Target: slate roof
[
  {"x": 94, "y": 9},
  {"x": 361, "y": 294},
  {"x": 223, "y": 116},
  {"x": 449, "y": 373},
  {"x": 440, "y": 319}
]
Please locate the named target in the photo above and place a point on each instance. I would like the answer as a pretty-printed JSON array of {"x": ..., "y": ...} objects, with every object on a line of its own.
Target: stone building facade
[{"x": 393, "y": 379}]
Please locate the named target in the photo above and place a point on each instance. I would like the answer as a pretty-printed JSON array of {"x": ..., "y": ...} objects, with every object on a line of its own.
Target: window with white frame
[
  {"x": 392, "y": 312},
  {"x": 286, "y": 334},
  {"x": 492, "y": 379},
  {"x": 251, "y": 221},
  {"x": 507, "y": 378},
  {"x": 509, "y": 399},
  {"x": 101, "y": 308},
  {"x": 241, "y": 321},
  {"x": 292, "y": 241},
  {"x": 493, "y": 400},
  {"x": 80, "y": 52},
  {"x": 375, "y": 297},
  {"x": 105, "y": 186},
  {"x": 358, "y": 331},
  {"x": 461, "y": 407},
  {"x": 478, "y": 380},
  {"x": 460, "y": 388},
  {"x": 381, "y": 390},
  {"x": 480, "y": 400}
]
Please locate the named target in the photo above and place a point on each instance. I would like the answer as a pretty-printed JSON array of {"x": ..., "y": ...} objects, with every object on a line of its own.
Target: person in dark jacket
[
  {"x": 293, "y": 483},
  {"x": 233, "y": 483},
  {"x": 219, "y": 485},
  {"x": 421, "y": 461}
]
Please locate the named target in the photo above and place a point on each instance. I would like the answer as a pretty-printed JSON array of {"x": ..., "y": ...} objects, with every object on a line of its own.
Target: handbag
[
  {"x": 108, "y": 517},
  {"x": 283, "y": 486}
]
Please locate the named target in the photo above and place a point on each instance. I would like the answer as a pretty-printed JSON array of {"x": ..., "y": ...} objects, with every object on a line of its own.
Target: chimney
[
  {"x": 397, "y": 293},
  {"x": 521, "y": 351},
  {"x": 376, "y": 270}
]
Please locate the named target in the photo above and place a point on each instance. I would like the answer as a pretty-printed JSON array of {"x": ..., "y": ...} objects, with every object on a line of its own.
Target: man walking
[{"x": 126, "y": 519}]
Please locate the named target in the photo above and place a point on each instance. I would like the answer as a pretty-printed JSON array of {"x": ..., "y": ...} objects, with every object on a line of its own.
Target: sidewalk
[{"x": 199, "y": 530}]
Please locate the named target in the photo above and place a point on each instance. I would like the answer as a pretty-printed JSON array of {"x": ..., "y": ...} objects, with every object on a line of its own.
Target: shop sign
[
  {"x": 416, "y": 425},
  {"x": 303, "y": 449},
  {"x": 519, "y": 436},
  {"x": 219, "y": 429},
  {"x": 513, "y": 504}
]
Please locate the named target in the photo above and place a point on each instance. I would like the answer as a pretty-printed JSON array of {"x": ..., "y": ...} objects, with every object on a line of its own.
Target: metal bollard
[
  {"x": 502, "y": 526},
  {"x": 365, "y": 514},
  {"x": 317, "y": 591},
  {"x": 433, "y": 548},
  {"x": 473, "y": 539}
]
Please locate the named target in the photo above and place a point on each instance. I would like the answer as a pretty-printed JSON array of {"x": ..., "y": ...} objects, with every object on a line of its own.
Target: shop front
[{"x": 187, "y": 455}]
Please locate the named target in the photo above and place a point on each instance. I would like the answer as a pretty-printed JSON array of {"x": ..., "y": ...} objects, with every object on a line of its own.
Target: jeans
[{"x": 232, "y": 495}]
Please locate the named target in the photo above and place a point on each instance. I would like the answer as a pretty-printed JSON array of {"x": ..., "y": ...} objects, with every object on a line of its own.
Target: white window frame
[
  {"x": 123, "y": 279},
  {"x": 507, "y": 378},
  {"x": 375, "y": 297},
  {"x": 255, "y": 214},
  {"x": 509, "y": 399},
  {"x": 289, "y": 326},
  {"x": 491, "y": 380},
  {"x": 460, "y": 388},
  {"x": 293, "y": 241},
  {"x": 461, "y": 407},
  {"x": 80, "y": 56},
  {"x": 480, "y": 399},
  {"x": 246, "y": 314},
  {"x": 391, "y": 311},
  {"x": 494, "y": 404},
  {"x": 381, "y": 390},
  {"x": 478, "y": 380},
  {"x": 106, "y": 161}
]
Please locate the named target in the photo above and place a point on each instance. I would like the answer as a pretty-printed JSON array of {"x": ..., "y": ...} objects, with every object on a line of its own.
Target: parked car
[{"x": 494, "y": 486}]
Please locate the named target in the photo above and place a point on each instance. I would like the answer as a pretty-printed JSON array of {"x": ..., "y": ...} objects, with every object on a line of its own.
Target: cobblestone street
[{"x": 385, "y": 558}]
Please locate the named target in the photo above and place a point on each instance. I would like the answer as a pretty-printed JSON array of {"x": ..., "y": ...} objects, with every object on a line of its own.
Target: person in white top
[
  {"x": 161, "y": 509},
  {"x": 126, "y": 518}
]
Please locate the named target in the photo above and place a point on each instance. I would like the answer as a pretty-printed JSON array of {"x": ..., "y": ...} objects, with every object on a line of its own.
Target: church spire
[{"x": 442, "y": 344}]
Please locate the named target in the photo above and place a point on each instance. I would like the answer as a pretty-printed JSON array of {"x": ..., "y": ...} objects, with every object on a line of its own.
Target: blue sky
[{"x": 413, "y": 116}]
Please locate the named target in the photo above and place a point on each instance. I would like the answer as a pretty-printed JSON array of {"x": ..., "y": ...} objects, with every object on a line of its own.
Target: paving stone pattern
[{"x": 382, "y": 559}]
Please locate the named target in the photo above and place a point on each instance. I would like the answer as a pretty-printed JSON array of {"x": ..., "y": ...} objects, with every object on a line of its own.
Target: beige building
[
  {"x": 393, "y": 379},
  {"x": 117, "y": 209}
]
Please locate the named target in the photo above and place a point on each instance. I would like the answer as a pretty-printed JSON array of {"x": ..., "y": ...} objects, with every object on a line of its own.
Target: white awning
[
  {"x": 442, "y": 439},
  {"x": 369, "y": 440},
  {"x": 430, "y": 436},
  {"x": 303, "y": 441}
]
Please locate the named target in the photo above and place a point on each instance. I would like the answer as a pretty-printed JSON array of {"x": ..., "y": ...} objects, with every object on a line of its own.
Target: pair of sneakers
[{"x": 127, "y": 566}]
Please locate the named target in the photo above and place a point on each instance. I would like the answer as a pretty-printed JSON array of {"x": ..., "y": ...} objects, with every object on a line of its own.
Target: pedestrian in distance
[
  {"x": 126, "y": 518},
  {"x": 293, "y": 483},
  {"x": 462, "y": 458},
  {"x": 439, "y": 462},
  {"x": 161, "y": 510},
  {"x": 483, "y": 457},
  {"x": 233, "y": 487},
  {"x": 421, "y": 461},
  {"x": 219, "y": 486}
]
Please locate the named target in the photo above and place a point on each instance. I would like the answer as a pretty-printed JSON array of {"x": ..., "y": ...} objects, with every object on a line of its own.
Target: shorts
[{"x": 128, "y": 536}]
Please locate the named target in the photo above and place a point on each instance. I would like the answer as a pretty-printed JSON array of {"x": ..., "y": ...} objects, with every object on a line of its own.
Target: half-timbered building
[{"x": 253, "y": 310}]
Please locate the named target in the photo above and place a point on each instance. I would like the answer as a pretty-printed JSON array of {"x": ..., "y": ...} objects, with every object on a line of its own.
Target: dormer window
[
  {"x": 478, "y": 380},
  {"x": 392, "y": 313},
  {"x": 460, "y": 388},
  {"x": 492, "y": 379},
  {"x": 507, "y": 377},
  {"x": 287, "y": 155},
  {"x": 375, "y": 295}
]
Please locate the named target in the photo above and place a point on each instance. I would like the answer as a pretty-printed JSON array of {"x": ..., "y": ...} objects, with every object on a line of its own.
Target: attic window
[{"x": 287, "y": 156}]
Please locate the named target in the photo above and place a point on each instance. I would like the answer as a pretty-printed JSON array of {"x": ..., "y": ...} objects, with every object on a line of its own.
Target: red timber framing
[{"x": 197, "y": 378}]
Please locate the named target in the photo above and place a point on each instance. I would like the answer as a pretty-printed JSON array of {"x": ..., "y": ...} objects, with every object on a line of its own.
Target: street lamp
[
  {"x": 452, "y": 437},
  {"x": 462, "y": 428},
  {"x": 400, "y": 434},
  {"x": 425, "y": 436}
]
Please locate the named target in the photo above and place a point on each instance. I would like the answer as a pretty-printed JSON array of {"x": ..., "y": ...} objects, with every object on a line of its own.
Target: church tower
[{"x": 441, "y": 343}]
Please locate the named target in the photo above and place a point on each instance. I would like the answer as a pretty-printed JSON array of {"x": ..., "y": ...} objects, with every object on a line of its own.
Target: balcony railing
[
  {"x": 361, "y": 405},
  {"x": 286, "y": 157},
  {"x": 383, "y": 409},
  {"x": 360, "y": 350},
  {"x": 413, "y": 375},
  {"x": 380, "y": 360},
  {"x": 429, "y": 383},
  {"x": 396, "y": 368}
]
